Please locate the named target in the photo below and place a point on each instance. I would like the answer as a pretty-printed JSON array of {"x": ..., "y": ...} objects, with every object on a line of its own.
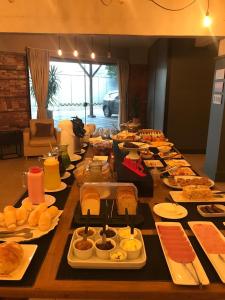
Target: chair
[{"x": 37, "y": 138}]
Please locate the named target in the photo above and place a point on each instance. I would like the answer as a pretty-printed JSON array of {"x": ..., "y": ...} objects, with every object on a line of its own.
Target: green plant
[{"x": 53, "y": 86}]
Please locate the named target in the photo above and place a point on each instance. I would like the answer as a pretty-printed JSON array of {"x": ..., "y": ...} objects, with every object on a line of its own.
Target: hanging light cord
[
  {"x": 207, "y": 11},
  {"x": 170, "y": 9}
]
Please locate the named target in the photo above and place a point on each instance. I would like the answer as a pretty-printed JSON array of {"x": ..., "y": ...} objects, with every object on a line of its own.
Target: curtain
[
  {"x": 38, "y": 61},
  {"x": 123, "y": 68}
]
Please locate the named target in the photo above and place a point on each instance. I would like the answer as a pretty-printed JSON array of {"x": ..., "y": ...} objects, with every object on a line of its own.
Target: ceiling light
[
  {"x": 109, "y": 54},
  {"x": 59, "y": 49},
  {"x": 75, "y": 52},
  {"x": 93, "y": 56},
  {"x": 207, "y": 19}
]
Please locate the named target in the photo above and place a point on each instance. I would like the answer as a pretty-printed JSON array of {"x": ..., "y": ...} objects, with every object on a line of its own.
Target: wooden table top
[{"x": 47, "y": 286}]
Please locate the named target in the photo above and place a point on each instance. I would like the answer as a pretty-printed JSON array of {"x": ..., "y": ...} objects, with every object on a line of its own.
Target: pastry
[
  {"x": 35, "y": 214},
  {"x": 46, "y": 217},
  {"x": 197, "y": 192},
  {"x": 27, "y": 204},
  {"x": 126, "y": 199},
  {"x": 21, "y": 215},
  {"x": 11, "y": 255},
  {"x": 10, "y": 217},
  {"x": 2, "y": 220}
]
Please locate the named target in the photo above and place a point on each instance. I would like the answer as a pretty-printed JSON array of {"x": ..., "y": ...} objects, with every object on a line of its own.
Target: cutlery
[
  {"x": 24, "y": 230},
  {"x": 195, "y": 277},
  {"x": 167, "y": 170},
  {"x": 221, "y": 257},
  {"x": 27, "y": 235},
  {"x": 85, "y": 235}
]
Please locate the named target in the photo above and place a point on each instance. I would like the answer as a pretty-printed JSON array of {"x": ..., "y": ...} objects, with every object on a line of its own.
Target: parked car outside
[{"x": 111, "y": 103}]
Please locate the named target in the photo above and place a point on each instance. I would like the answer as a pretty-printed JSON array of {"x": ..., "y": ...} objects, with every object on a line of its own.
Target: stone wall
[{"x": 14, "y": 96}]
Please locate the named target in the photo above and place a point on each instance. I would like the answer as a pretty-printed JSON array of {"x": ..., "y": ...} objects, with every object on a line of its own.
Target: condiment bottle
[
  {"x": 51, "y": 173},
  {"x": 35, "y": 185}
]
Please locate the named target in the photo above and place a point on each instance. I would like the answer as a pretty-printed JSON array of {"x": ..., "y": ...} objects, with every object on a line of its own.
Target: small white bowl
[
  {"x": 79, "y": 231},
  {"x": 83, "y": 253},
  {"x": 114, "y": 237},
  {"x": 104, "y": 254},
  {"x": 118, "y": 255},
  {"x": 124, "y": 233},
  {"x": 132, "y": 247}
]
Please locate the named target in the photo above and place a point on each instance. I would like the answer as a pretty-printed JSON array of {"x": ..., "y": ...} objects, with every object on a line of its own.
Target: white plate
[
  {"x": 71, "y": 167},
  {"x": 180, "y": 274},
  {"x": 167, "y": 182},
  {"x": 170, "y": 210},
  {"x": 62, "y": 187},
  {"x": 29, "y": 251},
  {"x": 217, "y": 262},
  {"x": 178, "y": 196},
  {"x": 49, "y": 199},
  {"x": 66, "y": 175},
  {"x": 84, "y": 145},
  {"x": 211, "y": 215},
  {"x": 96, "y": 263},
  {"x": 82, "y": 151},
  {"x": 153, "y": 163},
  {"x": 177, "y": 162},
  {"x": 75, "y": 157},
  {"x": 36, "y": 232}
]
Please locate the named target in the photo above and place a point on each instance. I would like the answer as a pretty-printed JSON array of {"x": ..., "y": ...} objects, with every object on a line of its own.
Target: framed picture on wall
[
  {"x": 218, "y": 87},
  {"x": 217, "y": 98},
  {"x": 220, "y": 74}
]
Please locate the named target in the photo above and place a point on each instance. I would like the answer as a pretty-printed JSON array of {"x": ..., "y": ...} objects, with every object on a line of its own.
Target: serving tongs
[
  {"x": 85, "y": 235},
  {"x": 167, "y": 170},
  {"x": 130, "y": 224}
]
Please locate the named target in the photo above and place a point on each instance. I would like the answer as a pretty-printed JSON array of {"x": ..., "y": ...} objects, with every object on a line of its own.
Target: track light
[
  {"x": 75, "y": 52},
  {"x": 59, "y": 49},
  {"x": 93, "y": 56},
  {"x": 207, "y": 19},
  {"x": 109, "y": 54}
]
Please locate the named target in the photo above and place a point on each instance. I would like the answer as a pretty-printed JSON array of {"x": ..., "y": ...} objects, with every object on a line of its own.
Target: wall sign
[
  {"x": 218, "y": 87},
  {"x": 220, "y": 74},
  {"x": 217, "y": 99}
]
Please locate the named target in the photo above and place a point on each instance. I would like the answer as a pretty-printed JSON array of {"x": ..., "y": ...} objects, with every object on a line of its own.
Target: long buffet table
[{"x": 49, "y": 275}]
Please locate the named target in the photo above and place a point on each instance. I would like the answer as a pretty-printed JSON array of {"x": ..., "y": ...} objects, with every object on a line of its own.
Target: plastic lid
[{"x": 35, "y": 169}]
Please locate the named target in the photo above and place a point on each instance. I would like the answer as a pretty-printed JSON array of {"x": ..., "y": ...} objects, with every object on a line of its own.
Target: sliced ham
[{"x": 210, "y": 238}]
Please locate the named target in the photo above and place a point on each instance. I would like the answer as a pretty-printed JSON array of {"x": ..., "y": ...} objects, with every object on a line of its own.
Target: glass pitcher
[{"x": 63, "y": 153}]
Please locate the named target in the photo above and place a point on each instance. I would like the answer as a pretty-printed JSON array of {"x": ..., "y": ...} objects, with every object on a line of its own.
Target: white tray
[
  {"x": 180, "y": 274},
  {"x": 211, "y": 215},
  {"x": 96, "y": 263},
  {"x": 178, "y": 196},
  {"x": 217, "y": 261},
  {"x": 177, "y": 162}
]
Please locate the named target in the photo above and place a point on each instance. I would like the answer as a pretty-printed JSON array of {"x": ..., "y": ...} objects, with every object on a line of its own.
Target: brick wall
[{"x": 14, "y": 99}]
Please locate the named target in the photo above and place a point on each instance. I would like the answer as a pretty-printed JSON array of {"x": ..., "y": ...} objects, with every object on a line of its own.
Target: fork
[{"x": 196, "y": 277}]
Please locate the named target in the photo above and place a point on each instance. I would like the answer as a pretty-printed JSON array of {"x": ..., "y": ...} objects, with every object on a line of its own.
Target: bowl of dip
[
  {"x": 124, "y": 233},
  {"x": 83, "y": 249},
  {"x": 80, "y": 232},
  {"x": 132, "y": 247},
  {"x": 103, "y": 249},
  {"x": 110, "y": 233}
]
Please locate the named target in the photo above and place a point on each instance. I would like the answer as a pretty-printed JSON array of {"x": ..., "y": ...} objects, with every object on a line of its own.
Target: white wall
[{"x": 127, "y": 17}]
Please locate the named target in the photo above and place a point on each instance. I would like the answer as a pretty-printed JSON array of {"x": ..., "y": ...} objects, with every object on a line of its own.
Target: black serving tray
[{"x": 113, "y": 219}]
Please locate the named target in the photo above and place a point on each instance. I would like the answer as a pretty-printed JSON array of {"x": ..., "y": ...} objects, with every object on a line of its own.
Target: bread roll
[
  {"x": 46, "y": 217},
  {"x": 45, "y": 221},
  {"x": 11, "y": 255},
  {"x": 27, "y": 204},
  {"x": 35, "y": 214},
  {"x": 10, "y": 218},
  {"x": 2, "y": 220},
  {"x": 21, "y": 215}
]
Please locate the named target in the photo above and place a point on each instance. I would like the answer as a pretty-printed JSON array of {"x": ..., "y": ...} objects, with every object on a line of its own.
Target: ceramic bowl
[
  {"x": 80, "y": 250},
  {"x": 91, "y": 232},
  {"x": 124, "y": 233},
  {"x": 111, "y": 233},
  {"x": 104, "y": 253},
  {"x": 132, "y": 247}
]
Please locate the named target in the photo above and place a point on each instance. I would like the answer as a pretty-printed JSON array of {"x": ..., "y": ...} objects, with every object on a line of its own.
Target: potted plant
[{"x": 53, "y": 88}]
